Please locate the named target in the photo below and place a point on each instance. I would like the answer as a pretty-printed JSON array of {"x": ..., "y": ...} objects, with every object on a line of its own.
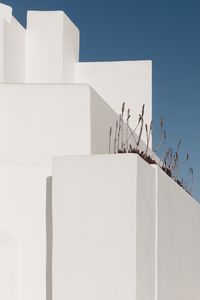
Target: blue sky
[{"x": 166, "y": 32}]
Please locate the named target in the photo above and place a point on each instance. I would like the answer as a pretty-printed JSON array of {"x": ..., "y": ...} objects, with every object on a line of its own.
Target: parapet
[{"x": 47, "y": 51}]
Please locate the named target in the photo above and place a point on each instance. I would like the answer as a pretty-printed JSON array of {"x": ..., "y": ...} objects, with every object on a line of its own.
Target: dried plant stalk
[
  {"x": 122, "y": 126},
  {"x": 170, "y": 163},
  {"x": 148, "y": 135},
  {"x": 118, "y": 135},
  {"x": 115, "y": 140},
  {"x": 141, "y": 117},
  {"x": 127, "y": 127},
  {"x": 110, "y": 135}
]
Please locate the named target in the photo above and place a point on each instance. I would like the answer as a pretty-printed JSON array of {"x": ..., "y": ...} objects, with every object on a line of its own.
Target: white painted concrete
[
  {"x": 22, "y": 214},
  {"x": 165, "y": 244},
  {"x": 1, "y": 50},
  {"x": 145, "y": 231},
  {"x": 118, "y": 82},
  {"x": 122, "y": 229},
  {"x": 178, "y": 242},
  {"x": 71, "y": 41},
  {"x": 8, "y": 267},
  {"x": 52, "y": 47},
  {"x": 103, "y": 228},
  {"x": 14, "y": 52},
  {"x": 39, "y": 121},
  {"x": 102, "y": 118},
  {"x": 12, "y": 47},
  {"x": 48, "y": 52},
  {"x": 5, "y": 12}
]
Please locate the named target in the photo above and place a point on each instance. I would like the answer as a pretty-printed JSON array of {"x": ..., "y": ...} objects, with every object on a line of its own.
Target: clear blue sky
[{"x": 166, "y": 32}]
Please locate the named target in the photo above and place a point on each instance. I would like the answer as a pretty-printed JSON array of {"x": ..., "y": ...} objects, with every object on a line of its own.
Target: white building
[{"x": 119, "y": 227}]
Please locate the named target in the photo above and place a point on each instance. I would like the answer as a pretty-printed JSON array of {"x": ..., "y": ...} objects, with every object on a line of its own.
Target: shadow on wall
[{"x": 49, "y": 238}]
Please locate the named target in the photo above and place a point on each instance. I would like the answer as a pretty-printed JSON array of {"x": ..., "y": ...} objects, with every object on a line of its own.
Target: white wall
[
  {"x": 118, "y": 82},
  {"x": 1, "y": 50},
  {"x": 52, "y": 47},
  {"x": 44, "y": 120},
  {"x": 5, "y": 15},
  {"x": 71, "y": 40},
  {"x": 8, "y": 267},
  {"x": 39, "y": 121},
  {"x": 103, "y": 228},
  {"x": 5, "y": 12},
  {"x": 123, "y": 256},
  {"x": 145, "y": 231},
  {"x": 102, "y": 118},
  {"x": 14, "y": 51},
  {"x": 22, "y": 214},
  {"x": 178, "y": 242},
  {"x": 48, "y": 52},
  {"x": 164, "y": 257}
]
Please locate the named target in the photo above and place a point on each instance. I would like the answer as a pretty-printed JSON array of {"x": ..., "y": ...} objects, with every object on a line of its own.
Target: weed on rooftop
[{"x": 128, "y": 140}]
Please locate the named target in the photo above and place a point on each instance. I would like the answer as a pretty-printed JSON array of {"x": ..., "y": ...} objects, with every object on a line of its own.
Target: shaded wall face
[
  {"x": 118, "y": 82},
  {"x": 178, "y": 248}
]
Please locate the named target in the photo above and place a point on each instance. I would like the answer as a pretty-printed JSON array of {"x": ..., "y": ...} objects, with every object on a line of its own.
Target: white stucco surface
[
  {"x": 52, "y": 47},
  {"x": 118, "y": 82},
  {"x": 103, "y": 228},
  {"x": 90, "y": 198},
  {"x": 145, "y": 231},
  {"x": 48, "y": 52},
  {"x": 1, "y": 50},
  {"x": 178, "y": 242},
  {"x": 14, "y": 52},
  {"x": 5, "y": 12},
  {"x": 22, "y": 214},
  {"x": 39, "y": 121},
  {"x": 122, "y": 228},
  {"x": 8, "y": 266},
  {"x": 12, "y": 47}
]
